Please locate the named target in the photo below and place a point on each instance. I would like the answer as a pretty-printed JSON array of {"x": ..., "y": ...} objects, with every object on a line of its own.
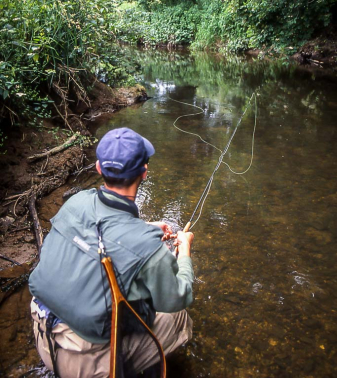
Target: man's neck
[{"x": 129, "y": 192}]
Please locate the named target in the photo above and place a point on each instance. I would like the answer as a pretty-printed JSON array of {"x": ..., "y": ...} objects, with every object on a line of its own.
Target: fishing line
[
  {"x": 253, "y": 142},
  {"x": 188, "y": 115},
  {"x": 208, "y": 186}
]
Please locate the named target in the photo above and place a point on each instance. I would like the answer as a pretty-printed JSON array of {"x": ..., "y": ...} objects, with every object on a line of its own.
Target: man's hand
[
  {"x": 165, "y": 227},
  {"x": 183, "y": 243}
]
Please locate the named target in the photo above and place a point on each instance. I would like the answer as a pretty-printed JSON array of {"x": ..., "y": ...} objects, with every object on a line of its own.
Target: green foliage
[
  {"x": 157, "y": 23},
  {"x": 236, "y": 24},
  {"x": 43, "y": 41},
  {"x": 246, "y": 24}
]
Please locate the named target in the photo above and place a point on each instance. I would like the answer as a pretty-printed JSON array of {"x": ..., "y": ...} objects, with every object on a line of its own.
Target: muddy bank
[
  {"x": 319, "y": 53},
  {"x": 25, "y": 172},
  {"x": 31, "y": 169}
]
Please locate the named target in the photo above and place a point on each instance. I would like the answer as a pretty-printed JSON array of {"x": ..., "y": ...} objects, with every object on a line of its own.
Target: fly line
[{"x": 223, "y": 152}]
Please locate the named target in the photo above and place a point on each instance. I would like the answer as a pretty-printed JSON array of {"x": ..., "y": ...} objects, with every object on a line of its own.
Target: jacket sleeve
[{"x": 167, "y": 281}]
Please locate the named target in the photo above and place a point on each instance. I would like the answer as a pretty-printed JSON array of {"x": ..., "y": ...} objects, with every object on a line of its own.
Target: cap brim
[{"x": 149, "y": 147}]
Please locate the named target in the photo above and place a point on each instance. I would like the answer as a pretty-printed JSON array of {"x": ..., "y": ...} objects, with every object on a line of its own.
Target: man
[{"x": 71, "y": 296}]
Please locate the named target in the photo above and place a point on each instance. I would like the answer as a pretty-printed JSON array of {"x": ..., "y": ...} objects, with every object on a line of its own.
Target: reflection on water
[{"x": 264, "y": 251}]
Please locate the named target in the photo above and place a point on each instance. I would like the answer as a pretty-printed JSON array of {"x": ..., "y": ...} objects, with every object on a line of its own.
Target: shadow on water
[{"x": 264, "y": 253}]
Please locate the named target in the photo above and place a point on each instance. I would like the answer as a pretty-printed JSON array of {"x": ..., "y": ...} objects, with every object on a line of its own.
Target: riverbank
[
  {"x": 304, "y": 32},
  {"x": 37, "y": 161},
  {"x": 25, "y": 174},
  {"x": 320, "y": 52}
]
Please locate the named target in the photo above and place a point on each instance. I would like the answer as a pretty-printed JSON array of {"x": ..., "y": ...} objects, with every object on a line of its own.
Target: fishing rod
[{"x": 208, "y": 186}]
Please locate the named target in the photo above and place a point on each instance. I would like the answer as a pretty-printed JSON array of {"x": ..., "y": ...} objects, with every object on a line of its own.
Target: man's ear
[
  {"x": 144, "y": 174},
  {"x": 98, "y": 167}
]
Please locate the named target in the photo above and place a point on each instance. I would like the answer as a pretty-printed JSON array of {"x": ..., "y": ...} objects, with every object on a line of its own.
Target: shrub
[
  {"x": 155, "y": 23},
  {"x": 48, "y": 41},
  {"x": 262, "y": 23},
  {"x": 238, "y": 24}
]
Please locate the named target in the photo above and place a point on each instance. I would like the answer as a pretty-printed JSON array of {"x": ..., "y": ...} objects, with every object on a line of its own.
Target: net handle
[{"x": 117, "y": 300}]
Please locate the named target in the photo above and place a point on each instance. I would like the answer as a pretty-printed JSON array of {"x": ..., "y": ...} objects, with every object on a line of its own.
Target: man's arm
[{"x": 167, "y": 280}]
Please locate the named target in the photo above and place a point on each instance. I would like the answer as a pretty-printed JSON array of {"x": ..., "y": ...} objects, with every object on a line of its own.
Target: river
[{"x": 264, "y": 253}]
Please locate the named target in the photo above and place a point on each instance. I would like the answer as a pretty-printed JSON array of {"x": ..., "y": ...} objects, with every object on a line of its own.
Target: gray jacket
[{"x": 71, "y": 282}]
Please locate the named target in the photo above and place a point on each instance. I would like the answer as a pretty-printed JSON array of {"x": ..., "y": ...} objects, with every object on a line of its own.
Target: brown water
[{"x": 265, "y": 244}]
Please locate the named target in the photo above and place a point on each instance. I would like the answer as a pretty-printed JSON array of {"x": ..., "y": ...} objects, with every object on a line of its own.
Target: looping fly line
[{"x": 208, "y": 186}]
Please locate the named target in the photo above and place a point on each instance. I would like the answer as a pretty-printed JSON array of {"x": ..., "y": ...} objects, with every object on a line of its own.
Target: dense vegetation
[
  {"x": 232, "y": 24},
  {"x": 55, "y": 45}
]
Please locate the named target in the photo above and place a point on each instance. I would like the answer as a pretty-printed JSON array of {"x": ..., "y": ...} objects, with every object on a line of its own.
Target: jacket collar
[{"x": 120, "y": 203}]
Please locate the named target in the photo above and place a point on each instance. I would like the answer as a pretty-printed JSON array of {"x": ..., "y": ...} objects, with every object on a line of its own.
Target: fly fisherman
[{"x": 71, "y": 306}]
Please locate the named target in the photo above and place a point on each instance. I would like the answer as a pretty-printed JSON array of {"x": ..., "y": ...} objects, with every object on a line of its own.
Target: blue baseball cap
[{"x": 122, "y": 153}]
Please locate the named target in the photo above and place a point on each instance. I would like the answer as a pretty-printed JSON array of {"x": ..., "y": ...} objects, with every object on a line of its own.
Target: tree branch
[
  {"x": 36, "y": 222},
  {"x": 55, "y": 150}
]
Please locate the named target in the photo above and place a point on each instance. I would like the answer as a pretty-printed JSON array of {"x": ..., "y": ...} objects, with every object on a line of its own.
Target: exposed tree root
[
  {"x": 44, "y": 182},
  {"x": 9, "y": 259},
  {"x": 36, "y": 222},
  {"x": 54, "y": 150}
]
